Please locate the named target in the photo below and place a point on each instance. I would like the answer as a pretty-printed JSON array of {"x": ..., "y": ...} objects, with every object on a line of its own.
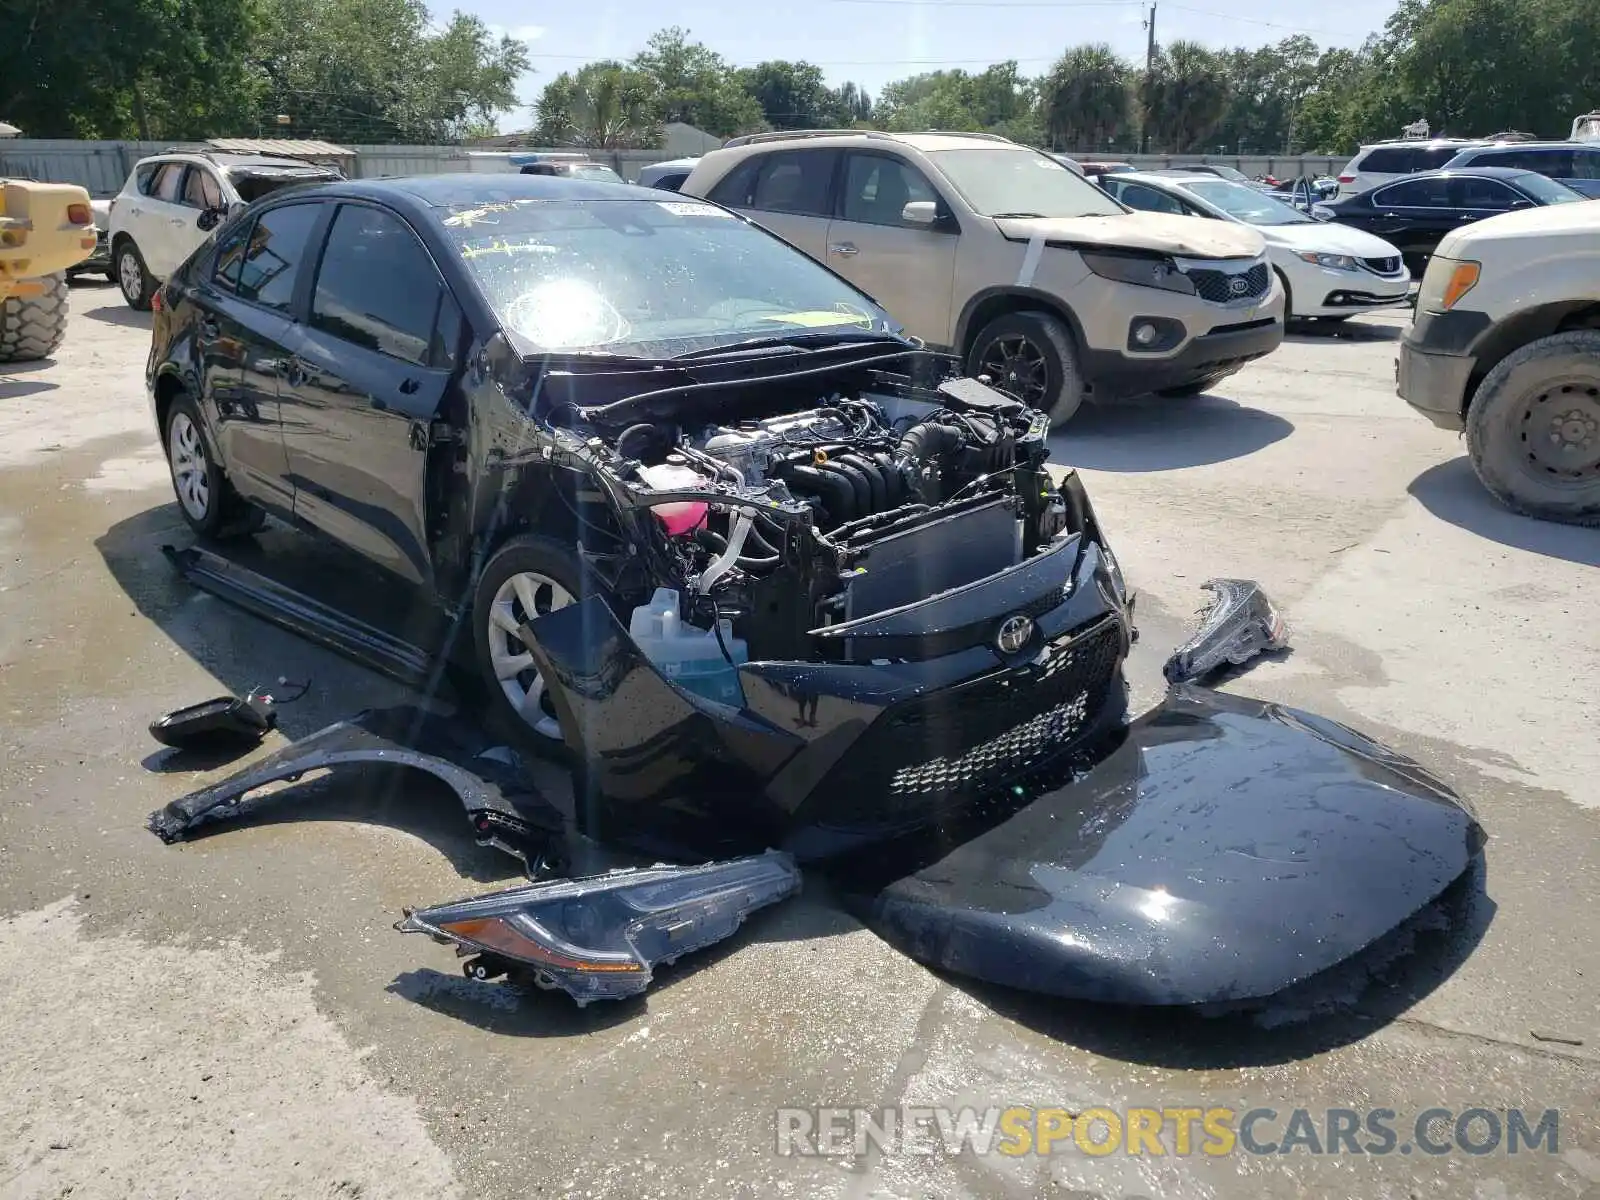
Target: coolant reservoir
[
  {"x": 682, "y": 515},
  {"x": 687, "y": 656}
]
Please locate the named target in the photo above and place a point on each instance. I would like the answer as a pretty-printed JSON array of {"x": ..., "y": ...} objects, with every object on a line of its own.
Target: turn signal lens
[
  {"x": 494, "y": 933},
  {"x": 1462, "y": 280}
]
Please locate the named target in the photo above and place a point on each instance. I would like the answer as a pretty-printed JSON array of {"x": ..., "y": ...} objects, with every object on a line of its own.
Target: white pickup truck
[{"x": 1506, "y": 345}]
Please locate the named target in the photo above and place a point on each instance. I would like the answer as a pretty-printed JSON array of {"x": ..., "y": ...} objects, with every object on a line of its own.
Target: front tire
[
  {"x": 1533, "y": 429},
  {"x": 128, "y": 269},
  {"x": 1030, "y": 355},
  {"x": 527, "y": 577},
  {"x": 31, "y": 327}
]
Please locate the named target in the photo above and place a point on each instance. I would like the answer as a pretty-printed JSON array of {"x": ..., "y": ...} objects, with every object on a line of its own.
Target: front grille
[
  {"x": 1381, "y": 266},
  {"x": 1219, "y": 286},
  {"x": 968, "y": 739}
]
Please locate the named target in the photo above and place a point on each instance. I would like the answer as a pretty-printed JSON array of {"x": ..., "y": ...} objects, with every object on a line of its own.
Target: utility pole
[{"x": 1149, "y": 68}]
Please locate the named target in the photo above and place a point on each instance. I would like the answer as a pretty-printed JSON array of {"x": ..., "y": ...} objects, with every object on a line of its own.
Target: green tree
[
  {"x": 602, "y": 106},
  {"x": 1188, "y": 92},
  {"x": 696, "y": 86},
  {"x": 996, "y": 100},
  {"x": 792, "y": 95},
  {"x": 127, "y": 68},
  {"x": 1085, "y": 98},
  {"x": 378, "y": 70}
]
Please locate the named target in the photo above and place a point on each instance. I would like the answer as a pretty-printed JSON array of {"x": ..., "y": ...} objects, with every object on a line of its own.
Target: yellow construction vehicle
[{"x": 44, "y": 229}]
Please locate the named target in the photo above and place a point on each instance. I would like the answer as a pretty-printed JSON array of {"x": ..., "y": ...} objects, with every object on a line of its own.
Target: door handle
[
  {"x": 843, "y": 248},
  {"x": 178, "y": 221},
  {"x": 409, "y": 387}
]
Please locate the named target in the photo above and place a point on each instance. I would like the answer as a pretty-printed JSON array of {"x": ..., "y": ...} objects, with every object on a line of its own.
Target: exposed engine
[{"x": 777, "y": 527}]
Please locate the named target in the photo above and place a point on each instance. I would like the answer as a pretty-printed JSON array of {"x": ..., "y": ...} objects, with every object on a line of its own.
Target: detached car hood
[
  {"x": 1226, "y": 849},
  {"x": 1184, "y": 236}
]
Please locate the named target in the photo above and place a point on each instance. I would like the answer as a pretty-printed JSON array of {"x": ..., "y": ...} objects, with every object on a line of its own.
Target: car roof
[
  {"x": 460, "y": 188},
  {"x": 1424, "y": 142},
  {"x": 1551, "y": 144},
  {"x": 926, "y": 142},
  {"x": 217, "y": 159}
]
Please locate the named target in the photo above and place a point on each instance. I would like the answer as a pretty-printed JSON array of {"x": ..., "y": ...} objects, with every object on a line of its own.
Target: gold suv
[{"x": 996, "y": 251}]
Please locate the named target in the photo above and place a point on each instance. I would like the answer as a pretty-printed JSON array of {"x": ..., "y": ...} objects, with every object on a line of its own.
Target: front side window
[
  {"x": 795, "y": 181},
  {"x": 230, "y": 255},
  {"x": 877, "y": 189},
  {"x": 276, "y": 248},
  {"x": 648, "y": 278},
  {"x": 1021, "y": 183},
  {"x": 201, "y": 189},
  {"x": 1471, "y": 191},
  {"x": 376, "y": 286}
]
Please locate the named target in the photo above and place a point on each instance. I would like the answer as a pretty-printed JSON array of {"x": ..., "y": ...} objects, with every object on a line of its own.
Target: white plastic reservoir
[{"x": 685, "y": 655}]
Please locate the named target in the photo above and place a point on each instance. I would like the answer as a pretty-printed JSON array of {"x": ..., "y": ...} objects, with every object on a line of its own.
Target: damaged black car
[{"x": 771, "y": 577}]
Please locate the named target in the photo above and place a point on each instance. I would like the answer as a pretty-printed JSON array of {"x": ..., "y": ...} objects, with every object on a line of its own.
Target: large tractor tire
[{"x": 33, "y": 326}]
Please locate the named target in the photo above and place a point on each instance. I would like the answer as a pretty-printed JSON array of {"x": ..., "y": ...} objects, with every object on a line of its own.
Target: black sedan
[
  {"x": 1414, "y": 213},
  {"x": 772, "y": 574}
]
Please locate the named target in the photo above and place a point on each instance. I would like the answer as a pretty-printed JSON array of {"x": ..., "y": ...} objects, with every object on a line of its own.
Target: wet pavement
[{"x": 235, "y": 1016}]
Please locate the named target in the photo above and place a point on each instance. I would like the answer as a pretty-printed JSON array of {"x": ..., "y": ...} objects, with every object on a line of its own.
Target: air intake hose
[{"x": 929, "y": 439}]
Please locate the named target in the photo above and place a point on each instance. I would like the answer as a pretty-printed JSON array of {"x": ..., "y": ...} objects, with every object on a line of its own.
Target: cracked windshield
[{"x": 897, "y": 599}]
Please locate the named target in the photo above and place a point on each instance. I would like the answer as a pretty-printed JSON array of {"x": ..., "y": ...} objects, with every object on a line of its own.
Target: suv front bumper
[
  {"x": 1435, "y": 364},
  {"x": 1224, "y": 349}
]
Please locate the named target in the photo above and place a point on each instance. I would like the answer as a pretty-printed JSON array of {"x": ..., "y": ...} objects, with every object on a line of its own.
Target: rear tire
[
  {"x": 205, "y": 497},
  {"x": 31, "y": 327},
  {"x": 1533, "y": 429},
  {"x": 128, "y": 269},
  {"x": 1030, "y": 355}
]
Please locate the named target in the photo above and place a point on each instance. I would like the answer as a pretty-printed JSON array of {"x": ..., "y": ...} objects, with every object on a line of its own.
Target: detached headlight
[
  {"x": 598, "y": 938},
  {"x": 1334, "y": 262},
  {"x": 1141, "y": 270}
]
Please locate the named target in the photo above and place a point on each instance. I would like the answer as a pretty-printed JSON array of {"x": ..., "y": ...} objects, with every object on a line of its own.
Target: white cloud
[{"x": 528, "y": 33}]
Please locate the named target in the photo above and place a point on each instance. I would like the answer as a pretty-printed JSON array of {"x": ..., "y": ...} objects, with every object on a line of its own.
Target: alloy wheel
[
  {"x": 523, "y": 597},
  {"x": 130, "y": 276},
  {"x": 190, "y": 471},
  {"x": 1019, "y": 367}
]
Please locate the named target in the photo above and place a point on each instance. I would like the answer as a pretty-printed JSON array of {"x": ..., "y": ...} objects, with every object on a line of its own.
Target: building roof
[{"x": 281, "y": 147}]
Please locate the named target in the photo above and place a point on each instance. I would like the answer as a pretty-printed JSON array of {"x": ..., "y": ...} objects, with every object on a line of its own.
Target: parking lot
[{"x": 238, "y": 1007}]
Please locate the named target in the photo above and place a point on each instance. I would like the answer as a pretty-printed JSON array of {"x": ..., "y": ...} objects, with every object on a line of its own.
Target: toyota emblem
[
  {"x": 1238, "y": 285},
  {"x": 1014, "y": 633}
]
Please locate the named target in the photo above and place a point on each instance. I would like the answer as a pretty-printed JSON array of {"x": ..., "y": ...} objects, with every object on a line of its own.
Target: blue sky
[{"x": 875, "y": 41}]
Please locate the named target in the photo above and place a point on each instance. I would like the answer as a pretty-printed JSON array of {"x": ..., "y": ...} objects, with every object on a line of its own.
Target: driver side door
[{"x": 906, "y": 266}]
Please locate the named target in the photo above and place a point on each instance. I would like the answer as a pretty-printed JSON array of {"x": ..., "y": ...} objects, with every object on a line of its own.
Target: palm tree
[
  {"x": 1188, "y": 95},
  {"x": 1085, "y": 97},
  {"x": 603, "y": 106}
]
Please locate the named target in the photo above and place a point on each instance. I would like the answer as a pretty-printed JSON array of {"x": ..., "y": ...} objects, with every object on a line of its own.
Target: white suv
[
  {"x": 1382, "y": 161},
  {"x": 171, "y": 203}
]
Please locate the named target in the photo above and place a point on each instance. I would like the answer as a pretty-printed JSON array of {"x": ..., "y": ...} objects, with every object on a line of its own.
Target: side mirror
[
  {"x": 920, "y": 212},
  {"x": 210, "y": 219}
]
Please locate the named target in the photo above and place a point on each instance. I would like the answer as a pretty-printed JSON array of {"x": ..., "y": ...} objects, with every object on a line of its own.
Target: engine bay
[{"x": 774, "y": 526}]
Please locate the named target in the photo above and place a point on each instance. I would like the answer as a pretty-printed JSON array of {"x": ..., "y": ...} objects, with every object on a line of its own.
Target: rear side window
[
  {"x": 377, "y": 287},
  {"x": 1393, "y": 160},
  {"x": 168, "y": 182},
  {"x": 276, "y": 248},
  {"x": 1555, "y": 163},
  {"x": 1414, "y": 193},
  {"x": 796, "y": 181},
  {"x": 737, "y": 189}
]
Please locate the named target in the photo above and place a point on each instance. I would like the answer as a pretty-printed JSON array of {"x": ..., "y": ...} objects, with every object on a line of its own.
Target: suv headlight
[
  {"x": 1142, "y": 270},
  {"x": 1334, "y": 262}
]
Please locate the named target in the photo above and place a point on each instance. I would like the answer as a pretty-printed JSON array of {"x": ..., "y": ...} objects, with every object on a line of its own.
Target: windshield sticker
[
  {"x": 501, "y": 246},
  {"x": 680, "y": 208}
]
